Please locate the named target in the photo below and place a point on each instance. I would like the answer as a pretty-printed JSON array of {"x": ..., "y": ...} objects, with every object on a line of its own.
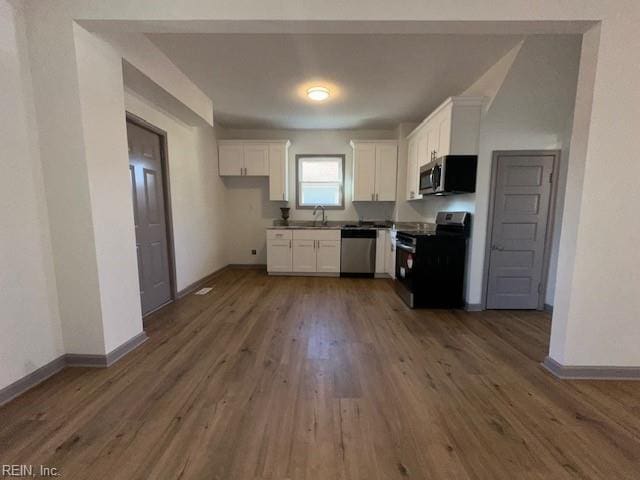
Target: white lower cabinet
[
  {"x": 279, "y": 255},
  {"x": 309, "y": 251},
  {"x": 304, "y": 256},
  {"x": 279, "y": 249},
  {"x": 328, "y": 256},
  {"x": 381, "y": 250},
  {"x": 385, "y": 254},
  {"x": 390, "y": 253}
]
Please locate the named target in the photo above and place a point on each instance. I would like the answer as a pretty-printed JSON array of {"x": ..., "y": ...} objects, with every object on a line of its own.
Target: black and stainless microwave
[{"x": 449, "y": 175}]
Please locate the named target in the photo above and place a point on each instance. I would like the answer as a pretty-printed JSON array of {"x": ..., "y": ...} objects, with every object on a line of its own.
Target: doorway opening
[
  {"x": 150, "y": 189},
  {"x": 524, "y": 187}
]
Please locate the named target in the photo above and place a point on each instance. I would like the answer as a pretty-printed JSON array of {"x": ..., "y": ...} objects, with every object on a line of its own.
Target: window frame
[{"x": 300, "y": 156}]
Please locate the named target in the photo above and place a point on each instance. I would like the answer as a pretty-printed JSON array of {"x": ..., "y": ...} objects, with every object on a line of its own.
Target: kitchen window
[{"x": 320, "y": 180}]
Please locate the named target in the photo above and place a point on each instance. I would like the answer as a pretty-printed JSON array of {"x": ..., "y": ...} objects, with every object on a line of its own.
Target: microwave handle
[{"x": 433, "y": 177}]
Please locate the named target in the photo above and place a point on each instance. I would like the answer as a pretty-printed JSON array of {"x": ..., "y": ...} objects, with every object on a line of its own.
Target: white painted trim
[
  {"x": 465, "y": 100},
  {"x": 354, "y": 142},
  {"x": 230, "y": 141}
]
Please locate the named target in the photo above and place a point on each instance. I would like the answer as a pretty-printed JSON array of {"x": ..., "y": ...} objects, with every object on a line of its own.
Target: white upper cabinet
[
  {"x": 231, "y": 159},
  {"x": 257, "y": 158},
  {"x": 279, "y": 171},
  {"x": 412, "y": 171},
  {"x": 386, "y": 171},
  {"x": 452, "y": 129},
  {"x": 364, "y": 172},
  {"x": 375, "y": 167}
]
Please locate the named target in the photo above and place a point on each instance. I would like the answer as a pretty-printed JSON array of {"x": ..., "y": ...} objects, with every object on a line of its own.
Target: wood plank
[{"x": 326, "y": 378}]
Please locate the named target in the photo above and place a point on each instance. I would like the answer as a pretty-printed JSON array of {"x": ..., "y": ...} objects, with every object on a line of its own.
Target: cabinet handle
[
  {"x": 282, "y": 195},
  {"x": 289, "y": 244},
  {"x": 377, "y": 197}
]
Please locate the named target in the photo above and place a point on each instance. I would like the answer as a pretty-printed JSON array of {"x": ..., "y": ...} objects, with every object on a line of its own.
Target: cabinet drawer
[
  {"x": 310, "y": 234},
  {"x": 279, "y": 234}
]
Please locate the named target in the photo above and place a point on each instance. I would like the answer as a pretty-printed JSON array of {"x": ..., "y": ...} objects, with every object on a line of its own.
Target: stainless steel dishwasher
[{"x": 358, "y": 252}]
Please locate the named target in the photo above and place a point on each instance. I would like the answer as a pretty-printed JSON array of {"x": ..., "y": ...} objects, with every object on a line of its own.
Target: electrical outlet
[{"x": 253, "y": 252}]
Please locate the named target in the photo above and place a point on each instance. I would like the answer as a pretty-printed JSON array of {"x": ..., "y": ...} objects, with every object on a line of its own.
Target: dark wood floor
[{"x": 299, "y": 378}]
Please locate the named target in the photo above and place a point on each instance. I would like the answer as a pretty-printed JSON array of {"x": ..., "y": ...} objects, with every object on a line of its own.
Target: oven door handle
[{"x": 406, "y": 248}]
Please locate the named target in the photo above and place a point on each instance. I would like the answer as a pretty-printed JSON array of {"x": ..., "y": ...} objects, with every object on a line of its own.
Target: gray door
[
  {"x": 519, "y": 229},
  {"x": 145, "y": 165}
]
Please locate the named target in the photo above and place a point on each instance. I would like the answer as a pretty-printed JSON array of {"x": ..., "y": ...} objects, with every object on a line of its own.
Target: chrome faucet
[{"x": 324, "y": 221}]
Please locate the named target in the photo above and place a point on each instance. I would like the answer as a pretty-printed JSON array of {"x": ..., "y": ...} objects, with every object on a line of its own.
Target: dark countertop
[{"x": 339, "y": 224}]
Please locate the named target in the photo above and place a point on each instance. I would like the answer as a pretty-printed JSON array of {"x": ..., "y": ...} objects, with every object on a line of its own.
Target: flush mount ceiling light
[{"x": 318, "y": 94}]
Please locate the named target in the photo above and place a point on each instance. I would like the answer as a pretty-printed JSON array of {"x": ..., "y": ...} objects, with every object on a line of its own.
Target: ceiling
[{"x": 377, "y": 81}]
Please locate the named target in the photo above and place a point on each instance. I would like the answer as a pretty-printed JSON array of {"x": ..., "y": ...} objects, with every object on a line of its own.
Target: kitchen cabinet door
[
  {"x": 364, "y": 172},
  {"x": 278, "y": 173},
  {"x": 256, "y": 159},
  {"x": 304, "y": 256},
  {"x": 380, "y": 251},
  {"x": 412, "y": 170},
  {"x": 390, "y": 254},
  {"x": 386, "y": 172},
  {"x": 430, "y": 150},
  {"x": 444, "y": 133},
  {"x": 230, "y": 159},
  {"x": 279, "y": 256},
  {"x": 328, "y": 256}
]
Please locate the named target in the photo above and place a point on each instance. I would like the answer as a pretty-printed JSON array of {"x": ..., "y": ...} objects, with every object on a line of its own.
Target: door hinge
[{"x": 540, "y": 288}]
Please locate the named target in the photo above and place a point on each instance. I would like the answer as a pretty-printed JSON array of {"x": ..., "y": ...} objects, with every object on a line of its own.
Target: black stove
[{"x": 430, "y": 263}]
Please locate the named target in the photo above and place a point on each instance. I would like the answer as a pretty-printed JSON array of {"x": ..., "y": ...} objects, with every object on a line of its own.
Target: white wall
[
  {"x": 197, "y": 192},
  {"x": 601, "y": 306},
  {"x": 146, "y": 57},
  {"x": 107, "y": 160},
  {"x": 249, "y": 209},
  {"x": 30, "y": 332},
  {"x": 80, "y": 107}
]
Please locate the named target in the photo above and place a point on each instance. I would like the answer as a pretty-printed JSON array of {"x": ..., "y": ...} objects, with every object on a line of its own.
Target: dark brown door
[
  {"x": 521, "y": 209},
  {"x": 145, "y": 165}
]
